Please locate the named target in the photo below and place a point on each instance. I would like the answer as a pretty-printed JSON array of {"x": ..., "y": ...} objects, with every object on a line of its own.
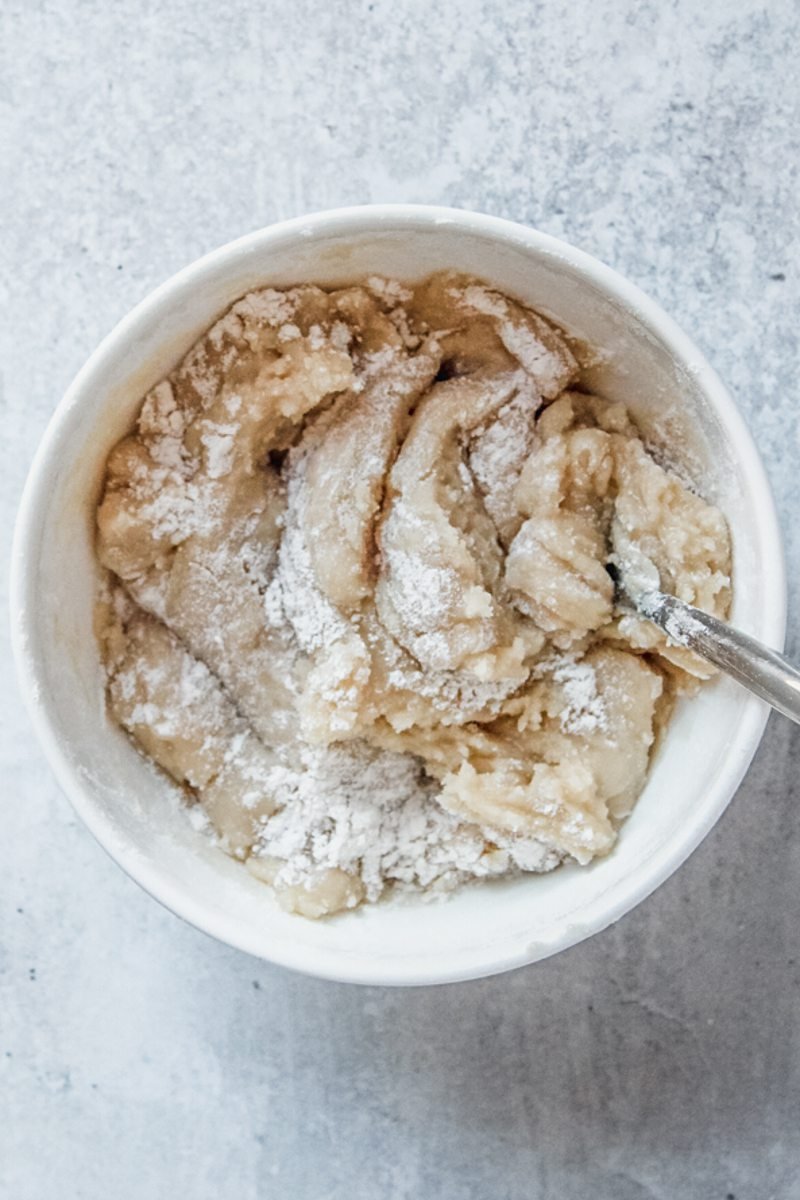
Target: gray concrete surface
[{"x": 139, "y": 1059}]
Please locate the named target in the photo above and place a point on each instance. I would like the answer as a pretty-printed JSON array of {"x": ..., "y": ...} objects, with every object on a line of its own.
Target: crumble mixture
[{"x": 356, "y": 598}]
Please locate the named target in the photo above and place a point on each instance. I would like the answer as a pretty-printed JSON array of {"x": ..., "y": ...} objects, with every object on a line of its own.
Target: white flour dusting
[
  {"x": 374, "y": 814},
  {"x": 584, "y": 711},
  {"x": 682, "y": 626},
  {"x": 543, "y": 365},
  {"x": 293, "y": 595}
]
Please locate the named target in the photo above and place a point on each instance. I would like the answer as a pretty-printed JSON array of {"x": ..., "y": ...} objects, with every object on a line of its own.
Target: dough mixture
[{"x": 356, "y": 598}]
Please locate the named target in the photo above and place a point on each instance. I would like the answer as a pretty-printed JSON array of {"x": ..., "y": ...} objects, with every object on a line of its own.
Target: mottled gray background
[{"x": 139, "y": 1059}]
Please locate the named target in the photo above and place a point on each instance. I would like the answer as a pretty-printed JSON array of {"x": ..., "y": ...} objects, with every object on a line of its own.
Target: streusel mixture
[{"x": 357, "y": 602}]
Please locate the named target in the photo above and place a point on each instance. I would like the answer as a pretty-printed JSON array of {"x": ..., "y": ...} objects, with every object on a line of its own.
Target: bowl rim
[{"x": 358, "y": 967}]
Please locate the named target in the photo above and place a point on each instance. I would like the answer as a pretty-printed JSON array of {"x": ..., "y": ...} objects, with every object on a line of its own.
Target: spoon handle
[{"x": 763, "y": 671}]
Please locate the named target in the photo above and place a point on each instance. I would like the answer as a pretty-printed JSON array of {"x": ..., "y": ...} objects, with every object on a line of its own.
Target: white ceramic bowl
[{"x": 677, "y": 398}]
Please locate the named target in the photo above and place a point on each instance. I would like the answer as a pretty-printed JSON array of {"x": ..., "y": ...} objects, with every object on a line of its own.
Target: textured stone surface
[{"x": 137, "y": 1057}]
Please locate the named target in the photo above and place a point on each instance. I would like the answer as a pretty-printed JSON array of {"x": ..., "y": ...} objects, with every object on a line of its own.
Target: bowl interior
[{"x": 648, "y": 364}]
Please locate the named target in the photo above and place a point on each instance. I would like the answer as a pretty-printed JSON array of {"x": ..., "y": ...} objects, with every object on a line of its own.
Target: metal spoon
[{"x": 762, "y": 671}]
